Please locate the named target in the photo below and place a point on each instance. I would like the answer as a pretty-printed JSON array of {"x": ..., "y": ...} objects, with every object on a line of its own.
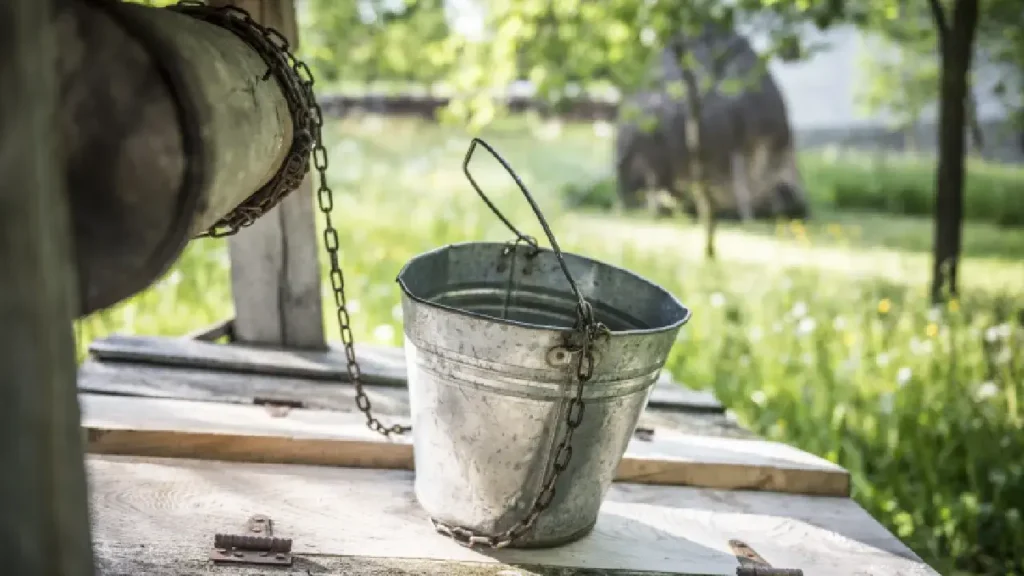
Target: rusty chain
[{"x": 296, "y": 82}]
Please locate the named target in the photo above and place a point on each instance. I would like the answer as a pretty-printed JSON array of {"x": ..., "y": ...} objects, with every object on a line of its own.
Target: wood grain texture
[
  {"x": 164, "y": 513},
  {"x": 204, "y": 430},
  {"x": 44, "y": 523},
  {"x": 166, "y": 128},
  {"x": 155, "y": 381},
  {"x": 275, "y": 270},
  {"x": 122, "y": 561},
  {"x": 380, "y": 365}
]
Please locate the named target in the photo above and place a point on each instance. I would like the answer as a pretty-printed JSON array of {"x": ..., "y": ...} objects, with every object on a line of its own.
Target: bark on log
[
  {"x": 44, "y": 522},
  {"x": 168, "y": 124},
  {"x": 275, "y": 270}
]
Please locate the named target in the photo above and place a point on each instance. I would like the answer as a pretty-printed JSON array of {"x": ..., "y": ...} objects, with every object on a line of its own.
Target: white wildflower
[
  {"x": 759, "y": 397},
  {"x": 806, "y": 326},
  {"x": 384, "y": 334},
  {"x": 987, "y": 390},
  {"x": 839, "y": 324},
  {"x": 756, "y": 333},
  {"x": 648, "y": 36},
  {"x": 799, "y": 310},
  {"x": 886, "y": 402},
  {"x": 882, "y": 359},
  {"x": 920, "y": 347},
  {"x": 903, "y": 375},
  {"x": 717, "y": 300}
]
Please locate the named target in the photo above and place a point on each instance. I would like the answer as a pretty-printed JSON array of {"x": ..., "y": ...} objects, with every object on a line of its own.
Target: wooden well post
[
  {"x": 44, "y": 524},
  {"x": 275, "y": 271}
]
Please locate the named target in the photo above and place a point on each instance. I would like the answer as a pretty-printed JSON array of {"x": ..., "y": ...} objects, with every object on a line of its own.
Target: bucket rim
[{"x": 686, "y": 312}]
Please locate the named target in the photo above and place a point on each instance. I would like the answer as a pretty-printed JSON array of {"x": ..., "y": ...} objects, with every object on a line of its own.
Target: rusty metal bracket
[
  {"x": 644, "y": 434},
  {"x": 752, "y": 564},
  {"x": 257, "y": 546}
]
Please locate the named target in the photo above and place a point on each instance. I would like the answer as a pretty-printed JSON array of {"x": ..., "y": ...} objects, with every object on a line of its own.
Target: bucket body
[{"x": 489, "y": 375}]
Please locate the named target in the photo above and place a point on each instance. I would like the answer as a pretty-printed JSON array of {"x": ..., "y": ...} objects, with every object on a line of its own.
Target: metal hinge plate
[
  {"x": 257, "y": 546},
  {"x": 752, "y": 564}
]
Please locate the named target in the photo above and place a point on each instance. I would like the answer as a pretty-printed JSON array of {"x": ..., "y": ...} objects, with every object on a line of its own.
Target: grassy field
[{"x": 818, "y": 334}]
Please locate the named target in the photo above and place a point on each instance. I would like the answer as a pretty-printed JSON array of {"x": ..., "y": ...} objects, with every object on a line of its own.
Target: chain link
[{"x": 296, "y": 82}]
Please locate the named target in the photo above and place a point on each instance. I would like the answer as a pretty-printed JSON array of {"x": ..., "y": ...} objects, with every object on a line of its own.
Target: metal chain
[
  {"x": 586, "y": 332},
  {"x": 296, "y": 82}
]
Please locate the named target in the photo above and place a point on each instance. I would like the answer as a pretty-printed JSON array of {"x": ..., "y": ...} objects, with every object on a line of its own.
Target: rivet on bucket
[{"x": 524, "y": 393}]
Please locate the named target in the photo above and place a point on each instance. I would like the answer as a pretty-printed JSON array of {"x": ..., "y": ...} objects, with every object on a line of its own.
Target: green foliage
[
  {"x": 571, "y": 44},
  {"x": 817, "y": 334},
  {"x": 901, "y": 79},
  {"x": 902, "y": 65},
  {"x": 370, "y": 40}
]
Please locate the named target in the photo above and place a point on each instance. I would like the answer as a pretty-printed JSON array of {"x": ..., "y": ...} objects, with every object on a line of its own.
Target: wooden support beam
[
  {"x": 168, "y": 124},
  {"x": 275, "y": 270},
  {"x": 44, "y": 522},
  {"x": 279, "y": 435}
]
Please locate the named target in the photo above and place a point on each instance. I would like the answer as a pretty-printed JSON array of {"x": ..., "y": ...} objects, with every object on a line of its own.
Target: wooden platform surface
[
  {"x": 380, "y": 365},
  {"x": 159, "y": 516},
  {"x": 233, "y": 457},
  {"x": 205, "y": 430}
]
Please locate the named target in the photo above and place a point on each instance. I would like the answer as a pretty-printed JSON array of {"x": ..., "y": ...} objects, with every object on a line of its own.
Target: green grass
[
  {"x": 854, "y": 183},
  {"x": 905, "y": 185},
  {"x": 817, "y": 334}
]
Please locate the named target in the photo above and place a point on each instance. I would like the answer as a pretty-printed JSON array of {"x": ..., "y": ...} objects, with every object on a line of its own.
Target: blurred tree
[
  {"x": 902, "y": 81},
  {"x": 564, "y": 46},
  {"x": 365, "y": 41},
  {"x": 956, "y": 27},
  {"x": 902, "y": 65}
]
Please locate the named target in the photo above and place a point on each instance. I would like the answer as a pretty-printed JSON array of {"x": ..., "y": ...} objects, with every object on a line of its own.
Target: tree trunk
[
  {"x": 977, "y": 136},
  {"x": 702, "y": 197},
  {"x": 44, "y": 514},
  {"x": 956, "y": 42}
]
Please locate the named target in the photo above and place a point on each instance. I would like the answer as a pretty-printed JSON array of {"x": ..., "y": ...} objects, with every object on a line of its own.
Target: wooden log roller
[{"x": 170, "y": 125}]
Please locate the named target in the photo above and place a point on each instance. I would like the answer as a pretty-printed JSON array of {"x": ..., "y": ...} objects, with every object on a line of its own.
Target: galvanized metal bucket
[{"x": 506, "y": 344}]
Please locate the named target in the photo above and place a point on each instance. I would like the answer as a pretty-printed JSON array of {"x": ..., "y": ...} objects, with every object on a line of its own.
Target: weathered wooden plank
[
  {"x": 204, "y": 430},
  {"x": 44, "y": 523},
  {"x": 379, "y": 365},
  {"x": 275, "y": 270},
  {"x": 155, "y": 381},
  {"x": 151, "y": 512},
  {"x": 165, "y": 132},
  {"x": 126, "y": 561}
]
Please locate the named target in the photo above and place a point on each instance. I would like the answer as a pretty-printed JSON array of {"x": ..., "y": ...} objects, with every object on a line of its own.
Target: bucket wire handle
[
  {"x": 586, "y": 329},
  {"x": 584, "y": 308}
]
